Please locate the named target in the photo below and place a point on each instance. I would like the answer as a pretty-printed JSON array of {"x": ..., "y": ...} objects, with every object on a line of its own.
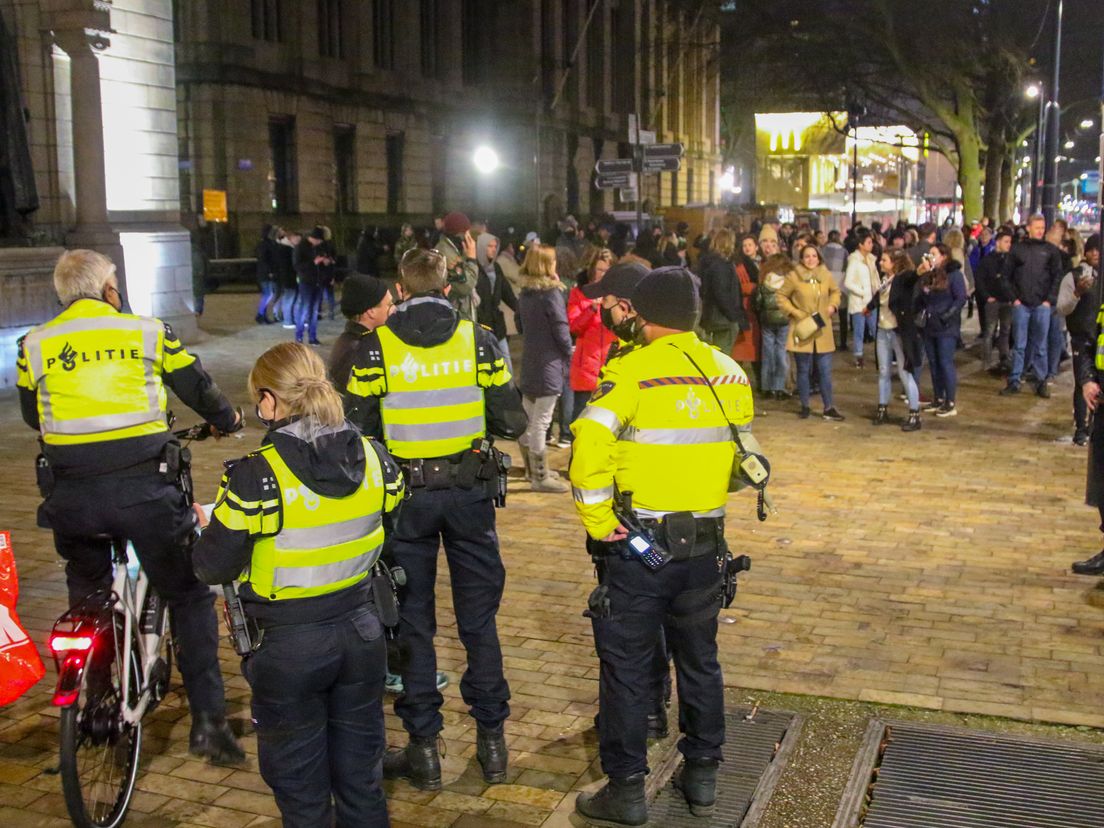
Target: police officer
[
  {"x": 92, "y": 381},
  {"x": 653, "y": 429},
  {"x": 613, "y": 292},
  {"x": 433, "y": 386},
  {"x": 301, "y": 523}
]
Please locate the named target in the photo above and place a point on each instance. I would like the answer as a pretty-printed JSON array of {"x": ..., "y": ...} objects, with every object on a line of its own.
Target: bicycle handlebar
[{"x": 201, "y": 431}]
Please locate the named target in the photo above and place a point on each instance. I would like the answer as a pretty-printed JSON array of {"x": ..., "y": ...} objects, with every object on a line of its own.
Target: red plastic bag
[{"x": 20, "y": 666}]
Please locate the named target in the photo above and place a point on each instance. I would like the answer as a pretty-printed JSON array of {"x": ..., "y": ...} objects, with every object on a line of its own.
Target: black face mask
[
  {"x": 260, "y": 419},
  {"x": 625, "y": 330}
]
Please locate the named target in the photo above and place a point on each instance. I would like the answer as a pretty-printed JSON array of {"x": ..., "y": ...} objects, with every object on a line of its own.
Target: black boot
[
  {"x": 211, "y": 737},
  {"x": 912, "y": 423},
  {"x": 620, "y": 802},
  {"x": 1093, "y": 566},
  {"x": 419, "y": 762},
  {"x": 882, "y": 417},
  {"x": 697, "y": 781},
  {"x": 657, "y": 724},
  {"x": 490, "y": 750}
]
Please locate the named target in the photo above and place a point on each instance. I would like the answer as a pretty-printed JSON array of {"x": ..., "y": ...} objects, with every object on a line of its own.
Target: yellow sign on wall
[{"x": 214, "y": 205}]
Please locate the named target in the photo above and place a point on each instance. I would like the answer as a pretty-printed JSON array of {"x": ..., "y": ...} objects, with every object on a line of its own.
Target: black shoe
[
  {"x": 948, "y": 410},
  {"x": 1010, "y": 389},
  {"x": 932, "y": 406},
  {"x": 260, "y": 320},
  {"x": 315, "y": 342},
  {"x": 912, "y": 423},
  {"x": 1043, "y": 390},
  {"x": 697, "y": 781},
  {"x": 490, "y": 750},
  {"x": 657, "y": 725},
  {"x": 1080, "y": 437},
  {"x": 1093, "y": 566},
  {"x": 804, "y": 412},
  {"x": 211, "y": 737},
  {"x": 832, "y": 414},
  {"x": 882, "y": 417},
  {"x": 419, "y": 762},
  {"x": 620, "y": 802}
]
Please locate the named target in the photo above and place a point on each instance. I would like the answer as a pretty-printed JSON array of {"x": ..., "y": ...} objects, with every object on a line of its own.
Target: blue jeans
[
  {"x": 287, "y": 304},
  {"x": 1030, "y": 330},
  {"x": 268, "y": 291},
  {"x": 1056, "y": 343},
  {"x": 307, "y": 303},
  {"x": 888, "y": 345},
  {"x": 941, "y": 354},
  {"x": 861, "y": 325},
  {"x": 804, "y": 364},
  {"x": 328, "y": 299},
  {"x": 772, "y": 365}
]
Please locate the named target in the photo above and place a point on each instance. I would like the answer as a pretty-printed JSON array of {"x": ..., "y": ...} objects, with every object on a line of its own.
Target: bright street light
[
  {"x": 1068, "y": 145},
  {"x": 485, "y": 160},
  {"x": 1032, "y": 90},
  {"x": 1087, "y": 123}
]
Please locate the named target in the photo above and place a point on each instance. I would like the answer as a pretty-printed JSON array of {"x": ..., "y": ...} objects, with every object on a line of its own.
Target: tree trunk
[
  {"x": 1008, "y": 186},
  {"x": 969, "y": 173},
  {"x": 994, "y": 161}
]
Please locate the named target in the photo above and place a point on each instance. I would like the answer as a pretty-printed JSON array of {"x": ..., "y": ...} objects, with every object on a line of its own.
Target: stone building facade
[
  {"x": 99, "y": 92},
  {"x": 360, "y": 113}
]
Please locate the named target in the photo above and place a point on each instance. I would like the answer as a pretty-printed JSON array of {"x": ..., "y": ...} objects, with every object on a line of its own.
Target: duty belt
[
  {"x": 708, "y": 538},
  {"x": 431, "y": 473}
]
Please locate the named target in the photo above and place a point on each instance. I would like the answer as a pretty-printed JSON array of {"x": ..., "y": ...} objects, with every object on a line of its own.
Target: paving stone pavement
[{"x": 927, "y": 569}]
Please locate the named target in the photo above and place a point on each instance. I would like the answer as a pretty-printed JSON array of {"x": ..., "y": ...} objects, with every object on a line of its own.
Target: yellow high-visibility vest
[
  {"x": 97, "y": 373},
  {"x": 321, "y": 544},
  {"x": 434, "y": 404}
]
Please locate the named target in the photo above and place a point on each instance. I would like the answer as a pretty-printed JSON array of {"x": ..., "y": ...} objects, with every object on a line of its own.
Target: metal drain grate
[
  {"x": 757, "y": 743},
  {"x": 917, "y": 776}
]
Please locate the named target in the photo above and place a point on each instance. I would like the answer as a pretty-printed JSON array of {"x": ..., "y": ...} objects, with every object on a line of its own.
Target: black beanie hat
[
  {"x": 668, "y": 296},
  {"x": 360, "y": 292}
]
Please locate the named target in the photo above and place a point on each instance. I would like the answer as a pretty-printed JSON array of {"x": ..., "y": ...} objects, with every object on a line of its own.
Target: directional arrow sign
[
  {"x": 664, "y": 151},
  {"x": 662, "y": 164},
  {"x": 614, "y": 165},
  {"x": 610, "y": 181}
]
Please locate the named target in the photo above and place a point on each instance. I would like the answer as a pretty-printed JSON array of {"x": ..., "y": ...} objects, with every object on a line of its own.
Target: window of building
[
  {"x": 428, "y": 33},
  {"x": 438, "y": 171},
  {"x": 394, "y": 151},
  {"x": 266, "y": 20},
  {"x": 383, "y": 33},
  {"x": 690, "y": 185},
  {"x": 570, "y": 31},
  {"x": 674, "y": 188},
  {"x": 595, "y": 51},
  {"x": 548, "y": 49},
  {"x": 282, "y": 172},
  {"x": 345, "y": 168},
  {"x": 473, "y": 58},
  {"x": 623, "y": 67},
  {"x": 329, "y": 28}
]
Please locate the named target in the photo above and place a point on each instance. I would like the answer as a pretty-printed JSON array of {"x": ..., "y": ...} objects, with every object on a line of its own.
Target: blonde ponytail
[{"x": 296, "y": 375}]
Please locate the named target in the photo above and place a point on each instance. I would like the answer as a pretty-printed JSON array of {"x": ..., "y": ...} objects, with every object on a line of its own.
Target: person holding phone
[{"x": 810, "y": 297}]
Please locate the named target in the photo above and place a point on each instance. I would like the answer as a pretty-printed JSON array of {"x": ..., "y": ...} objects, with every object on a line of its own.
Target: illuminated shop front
[{"x": 804, "y": 160}]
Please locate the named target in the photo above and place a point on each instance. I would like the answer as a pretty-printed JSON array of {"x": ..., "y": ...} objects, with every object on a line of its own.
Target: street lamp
[
  {"x": 1087, "y": 123},
  {"x": 1068, "y": 145},
  {"x": 485, "y": 160},
  {"x": 1032, "y": 91}
]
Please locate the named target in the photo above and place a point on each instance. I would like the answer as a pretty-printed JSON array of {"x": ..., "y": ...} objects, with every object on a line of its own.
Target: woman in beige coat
[{"x": 811, "y": 297}]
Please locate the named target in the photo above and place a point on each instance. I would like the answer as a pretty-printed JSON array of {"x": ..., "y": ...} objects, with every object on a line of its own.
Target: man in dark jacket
[
  {"x": 1089, "y": 371},
  {"x": 1079, "y": 299},
  {"x": 366, "y": 304},
  {"x": 1036, "y": 274},
  {"x": 309, "y": 259},
  {"x": 494, "y": 290},
  {"x": 994, "y": 288}
]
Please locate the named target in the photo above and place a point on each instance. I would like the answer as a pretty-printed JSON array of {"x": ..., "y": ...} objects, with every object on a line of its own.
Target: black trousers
[
  {"x": 150, "y": 512},
  {"x": 464, "y": 521},
  {"x": 318, "y": 711},
  {"x": 684, "y": 599}
]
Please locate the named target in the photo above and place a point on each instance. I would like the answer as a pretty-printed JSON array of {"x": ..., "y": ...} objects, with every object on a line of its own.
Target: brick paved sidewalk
[{"x": 928, "y": 569}]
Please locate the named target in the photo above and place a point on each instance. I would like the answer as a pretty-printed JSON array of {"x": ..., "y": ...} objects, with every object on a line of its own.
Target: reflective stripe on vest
[
  {"x": 434, "y": 405},
  {"x": 325, "y": 544},
  {"x": 97, "y": 376}
]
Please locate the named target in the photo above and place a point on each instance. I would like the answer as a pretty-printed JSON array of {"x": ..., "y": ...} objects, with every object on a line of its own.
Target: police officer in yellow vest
[
  {"x": 434, "y": 386},
  {"x": 653, "y": 431},
  {"x": 92, "y": 381},
  {"x": 301, "y": 523}
]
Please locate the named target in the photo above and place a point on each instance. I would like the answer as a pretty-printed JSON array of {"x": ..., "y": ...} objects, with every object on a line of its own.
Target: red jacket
[{"x": 592, "y": 341}]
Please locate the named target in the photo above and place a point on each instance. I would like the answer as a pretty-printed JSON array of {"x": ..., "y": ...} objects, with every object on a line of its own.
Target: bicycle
[{"x": 114, "y": 657}]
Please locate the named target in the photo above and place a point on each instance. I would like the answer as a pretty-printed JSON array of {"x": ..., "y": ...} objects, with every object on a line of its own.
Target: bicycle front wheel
[{"x": 99, "y": 752}]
